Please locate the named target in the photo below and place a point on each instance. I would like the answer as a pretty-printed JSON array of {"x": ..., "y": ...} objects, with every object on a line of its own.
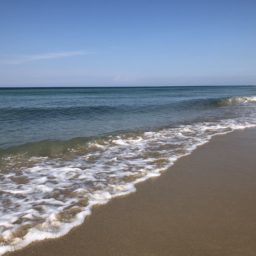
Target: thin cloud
[{"x": 45, "y": 56}]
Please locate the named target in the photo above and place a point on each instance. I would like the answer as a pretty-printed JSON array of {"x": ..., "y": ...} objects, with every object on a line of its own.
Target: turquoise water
[
  {"x": 64, "y": 150},
  {"x": 31, "y": 115}
]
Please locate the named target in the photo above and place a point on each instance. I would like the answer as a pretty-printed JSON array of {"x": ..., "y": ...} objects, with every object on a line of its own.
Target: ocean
[{"x": 65, "y": 150}]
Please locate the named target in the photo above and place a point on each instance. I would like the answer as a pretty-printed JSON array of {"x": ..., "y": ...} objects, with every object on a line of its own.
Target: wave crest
[{"x": 237, "y": 100}]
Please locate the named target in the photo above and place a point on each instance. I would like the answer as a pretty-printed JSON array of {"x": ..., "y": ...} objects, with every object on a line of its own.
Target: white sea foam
[
  {"x": 58, "y": 194},
  {"x": 238, "y": 100}
]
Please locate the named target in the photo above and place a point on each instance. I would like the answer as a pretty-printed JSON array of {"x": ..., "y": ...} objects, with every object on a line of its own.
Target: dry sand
[{"x": 205, "y": 205}]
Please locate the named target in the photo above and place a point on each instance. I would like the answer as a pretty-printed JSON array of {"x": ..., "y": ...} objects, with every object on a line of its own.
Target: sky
[{"x": 127, "y": 43}]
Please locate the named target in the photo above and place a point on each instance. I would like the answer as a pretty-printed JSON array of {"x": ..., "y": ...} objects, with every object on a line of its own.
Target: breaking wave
[{"x": 237, "y": 100}]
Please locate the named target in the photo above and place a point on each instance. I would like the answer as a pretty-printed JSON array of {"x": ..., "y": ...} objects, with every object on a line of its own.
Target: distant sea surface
[{"x": 64, "y": 150}]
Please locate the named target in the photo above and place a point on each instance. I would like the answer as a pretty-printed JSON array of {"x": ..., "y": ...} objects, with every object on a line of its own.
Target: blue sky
[{"x": 101, "y": 43}]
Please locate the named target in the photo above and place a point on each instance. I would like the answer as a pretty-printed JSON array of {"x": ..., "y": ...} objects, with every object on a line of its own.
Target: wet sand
[{"x": 205, "y": 205}]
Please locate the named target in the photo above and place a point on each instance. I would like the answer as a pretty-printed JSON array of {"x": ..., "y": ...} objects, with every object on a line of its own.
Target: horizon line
[{"x": 121, "y": 86}]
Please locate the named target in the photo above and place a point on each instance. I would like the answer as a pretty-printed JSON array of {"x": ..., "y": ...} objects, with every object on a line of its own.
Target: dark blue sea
[{"x": 64, "y": 150}]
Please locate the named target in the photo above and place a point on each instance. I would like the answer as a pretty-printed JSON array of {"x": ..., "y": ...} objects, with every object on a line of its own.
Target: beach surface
[{"x": 203, "y": 205}]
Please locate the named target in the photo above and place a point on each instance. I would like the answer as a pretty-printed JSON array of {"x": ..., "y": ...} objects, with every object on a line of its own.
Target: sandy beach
[{"x": 204, "y": 205}]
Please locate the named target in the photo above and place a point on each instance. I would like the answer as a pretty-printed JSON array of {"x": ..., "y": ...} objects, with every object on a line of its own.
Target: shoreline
[{"x": 198, "y": 207}]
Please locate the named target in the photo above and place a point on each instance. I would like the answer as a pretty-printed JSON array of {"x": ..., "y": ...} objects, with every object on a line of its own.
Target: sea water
[{"x": 64, "y": 150}]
